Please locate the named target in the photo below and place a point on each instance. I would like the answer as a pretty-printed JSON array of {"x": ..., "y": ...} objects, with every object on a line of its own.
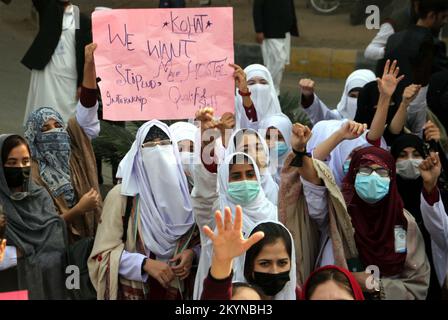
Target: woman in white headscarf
[
  {"x": 277, "y": 131},
  {"x": 346, "y": 108},
  {"x": 252, "y": 143},
  {"x": 339, "y": 138},
  {"x": 139, "y": 257},
  {"x": 184, "y": 135},
  {"x": 256, "y": 98},
  {"x": 239, "y": 183}
]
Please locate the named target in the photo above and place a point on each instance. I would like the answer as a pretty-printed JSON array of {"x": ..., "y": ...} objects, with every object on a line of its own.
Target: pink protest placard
[{"x": 164, "y": 63}]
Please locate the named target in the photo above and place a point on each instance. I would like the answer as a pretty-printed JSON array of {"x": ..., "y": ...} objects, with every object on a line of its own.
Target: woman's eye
[
  {"x": 264, "y": 264},
  {"x": 283, "y": 263}
]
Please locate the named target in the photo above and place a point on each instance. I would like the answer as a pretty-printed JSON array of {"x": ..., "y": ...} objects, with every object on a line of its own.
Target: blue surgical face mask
[
  {"x": 371, "y": 188},
  {"x": 243, "y": 192},
  {"x": 280, "y": 148},
  {"x": 346, "y": 166}
]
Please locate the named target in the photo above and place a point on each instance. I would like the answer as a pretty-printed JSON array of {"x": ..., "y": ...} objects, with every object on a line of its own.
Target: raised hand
[
  {"x": 228, "y": 242},
  {"x": 227, "y": 121},
  {"x": 88, "y": 53},
  {"x": 410, "y": 93},
  {"x": 205, "y": 116},
  {"x": 430, "y": 170},
  {"x": 390, "y": 80},
  {"x": 352, "y": 130},
  {"x": 306, "y": 86},
  {"x": 240, "y": 78},
  {"x": 432, "y": 132},
  {"x": 300, "y": 136}
]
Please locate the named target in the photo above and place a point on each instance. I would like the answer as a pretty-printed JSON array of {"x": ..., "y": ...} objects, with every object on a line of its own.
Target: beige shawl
[
  {"x": 413, "y": 282},
  {"x": 293, "y": 213},
  {"x": 104, "y": 260}
]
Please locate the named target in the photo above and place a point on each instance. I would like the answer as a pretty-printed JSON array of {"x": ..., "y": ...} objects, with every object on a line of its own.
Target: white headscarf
[
  {"x": 289, "y": 290},
  {"x": 281, "y": 122},
  {"x": 322, "y": 131},
  {"x": 183, "y": 131},
  {"x": 164, "y": 206},
  {"x": 264, "y": 97},
  {"x": 260, "y": 209},
  {"x": 270, "y": 187},
  {"x": 358, "y": 79}
]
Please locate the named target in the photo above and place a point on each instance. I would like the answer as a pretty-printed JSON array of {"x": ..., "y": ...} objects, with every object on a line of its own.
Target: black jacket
[
  {"x": 415, "y": 51},
  {"x": 51, "y": 13},
  {"x": 275, "y": 18}
]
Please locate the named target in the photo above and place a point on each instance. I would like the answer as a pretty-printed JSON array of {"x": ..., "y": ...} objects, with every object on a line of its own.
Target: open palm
[
  {"x": 390, "y": 80},
  {"x": 229, "y": 242}
]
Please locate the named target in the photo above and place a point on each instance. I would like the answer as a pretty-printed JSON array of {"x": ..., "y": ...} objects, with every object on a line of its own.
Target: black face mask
[
  {"x": 16, "y": 177},
  {"x": 271, "y": 283}
]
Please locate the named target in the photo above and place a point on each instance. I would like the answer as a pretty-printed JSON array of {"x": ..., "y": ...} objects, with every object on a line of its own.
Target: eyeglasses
[
  {"x": 367, "y": 171},
  {"x": 150, "y": 144}
]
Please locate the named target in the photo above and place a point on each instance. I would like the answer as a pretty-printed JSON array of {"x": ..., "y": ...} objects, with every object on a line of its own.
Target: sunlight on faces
[
  {"x": 273, "y": 258},
  {"x": 409, "y": 153},
  {"x": 257, "y": 80},
  {"x": 19, "y": 157},
  {"x": 250, "y": 144},
  {"x": 50, "y": 125},
  {"x": 330, "y": 290}
]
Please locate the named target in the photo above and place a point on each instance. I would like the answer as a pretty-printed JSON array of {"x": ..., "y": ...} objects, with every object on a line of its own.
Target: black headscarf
[
  {"x": 410, "y": 191},
  {"x": 437, "y": 96},
  {"x": 156, "y": 133},
  {"x": 37, "y": 230},
  {"x": 368, "y": 100}
]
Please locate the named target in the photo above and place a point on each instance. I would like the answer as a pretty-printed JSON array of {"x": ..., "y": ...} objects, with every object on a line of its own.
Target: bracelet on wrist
[
  {"x": 298, "y": 160},
  {"x": 244, "y": 94}
]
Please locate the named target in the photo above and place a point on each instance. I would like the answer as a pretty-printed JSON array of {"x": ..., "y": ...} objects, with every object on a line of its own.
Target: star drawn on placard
[
  {"x": 165, "y": 24},
  {"x": 209, "y": 24}
]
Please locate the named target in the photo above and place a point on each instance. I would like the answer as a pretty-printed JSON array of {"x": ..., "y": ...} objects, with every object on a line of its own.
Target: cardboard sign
[{"x": 164, "y": 63}]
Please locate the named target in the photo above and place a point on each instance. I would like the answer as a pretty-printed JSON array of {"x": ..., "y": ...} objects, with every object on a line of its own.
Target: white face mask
[
  {"x": 260, "y": 94},
  {"x": 350, "y": 108},
  {"x": 161, "y": 167},
  {"x": 408, "y": 169},
  {"x": 187, "y": 160}
]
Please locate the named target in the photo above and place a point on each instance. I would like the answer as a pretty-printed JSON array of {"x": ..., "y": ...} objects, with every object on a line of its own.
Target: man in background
[
  {"x": 275, "y": 23},
  {"x": 56, "y": 57}
]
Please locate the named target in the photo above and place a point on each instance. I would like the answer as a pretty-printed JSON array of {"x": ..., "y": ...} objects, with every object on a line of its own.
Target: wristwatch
[
  {"x": 143, "y": 266},
  {"x": 298, "y": 160}
]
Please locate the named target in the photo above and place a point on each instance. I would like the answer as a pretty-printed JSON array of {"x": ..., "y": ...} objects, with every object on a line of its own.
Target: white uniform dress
[{"x": 276, "y": 55}]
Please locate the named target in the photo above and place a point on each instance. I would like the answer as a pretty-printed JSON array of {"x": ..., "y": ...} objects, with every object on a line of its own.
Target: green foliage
[{"x": 114, "y": 141}]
